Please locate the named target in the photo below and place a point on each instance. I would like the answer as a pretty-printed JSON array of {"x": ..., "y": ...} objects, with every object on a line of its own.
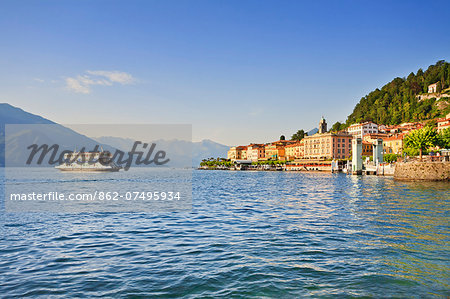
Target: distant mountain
[
  {"x": 13, "y": 115},
  {"x": 207, "y": 149},
  {"x": 312, "y": 132},
  {"x": 34, "y": 129},
  {"x": 44, "y": 131},
  {"x": 177, "y": 150}
]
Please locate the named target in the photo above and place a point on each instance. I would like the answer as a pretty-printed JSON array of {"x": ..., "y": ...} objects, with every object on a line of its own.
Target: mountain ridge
[{"x": 14, "y": 115}]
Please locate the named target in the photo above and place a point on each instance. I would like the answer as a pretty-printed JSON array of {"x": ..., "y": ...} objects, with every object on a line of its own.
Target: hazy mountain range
[
  {"x": 33, "y": 129},
  {"x": 312, "y": 132},
  {"x": 178, "y": 148},
  {"x": 45, "y": 131}
]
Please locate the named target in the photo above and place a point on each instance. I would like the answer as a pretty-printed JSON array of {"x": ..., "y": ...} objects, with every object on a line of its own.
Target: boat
[{"x": 88, "y": 162}]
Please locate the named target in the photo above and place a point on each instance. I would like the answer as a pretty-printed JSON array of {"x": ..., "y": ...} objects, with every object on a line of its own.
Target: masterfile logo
[
  {"x": 101, "y": 168},
  {"x": 52, "y": 155}
]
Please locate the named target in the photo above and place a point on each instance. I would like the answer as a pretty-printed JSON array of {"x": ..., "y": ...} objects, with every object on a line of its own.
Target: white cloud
[
  {"x": 114, "y": 76},
  {"x": 76, "y": 85},
  {"x": 83, "y": 83}
]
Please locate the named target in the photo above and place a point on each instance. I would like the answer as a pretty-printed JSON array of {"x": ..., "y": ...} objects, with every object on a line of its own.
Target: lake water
[{"x": 249, "y": 234}]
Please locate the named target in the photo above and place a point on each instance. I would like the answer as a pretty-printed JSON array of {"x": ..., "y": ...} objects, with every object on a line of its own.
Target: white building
[
  {"x": 255, "y": 152},
  {"x": 432, "y": 88},
  {"x": 359, "y": 130}
]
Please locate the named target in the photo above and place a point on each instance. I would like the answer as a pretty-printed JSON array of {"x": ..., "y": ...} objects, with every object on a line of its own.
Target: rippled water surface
[{"x": 249, "y": 234}]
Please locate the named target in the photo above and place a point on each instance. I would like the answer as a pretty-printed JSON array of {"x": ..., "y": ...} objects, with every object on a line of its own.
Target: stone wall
[
  {"x": 422, "y": 171},
  {"x": 423, "y": 97}
]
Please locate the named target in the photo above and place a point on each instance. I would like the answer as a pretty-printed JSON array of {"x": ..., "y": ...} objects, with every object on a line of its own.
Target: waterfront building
[
  {"x": 327, "y": 146},
  {"x": 237, "y": 153},
  {"x": 393, "y": 144},
  {"x": 374, "y": 137},
  {"x": 361, "y": 129},
  {"x": 255, "y": 152},
  {"x": 294, "y": 150},
  {"x": 367, "y": 148},
  {"x": 244, "y": 153},
  {"x": 276, "y": 150},
  {"x": 311, "y": 165}
]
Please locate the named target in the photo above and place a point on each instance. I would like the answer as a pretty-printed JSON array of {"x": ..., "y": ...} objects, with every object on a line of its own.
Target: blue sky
[{"x": 238, "y": 71}]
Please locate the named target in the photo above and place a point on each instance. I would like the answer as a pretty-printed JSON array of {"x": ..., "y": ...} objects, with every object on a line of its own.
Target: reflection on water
[{"x": 249, "y": 234}]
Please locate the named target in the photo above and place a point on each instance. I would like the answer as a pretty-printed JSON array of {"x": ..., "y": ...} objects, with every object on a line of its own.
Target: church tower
[{"x": 322, "y": 126}]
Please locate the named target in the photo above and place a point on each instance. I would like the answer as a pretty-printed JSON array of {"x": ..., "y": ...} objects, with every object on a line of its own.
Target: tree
[
  {"x": 282, "y": 137},
  {"x": 338, "y": 126},
  {"x": 421, "y": 139},
  {"x": 299, "y": 135},
  {"x": 444, "y": 138},
  {"x": 389, "y": 158},
  {"x": 397, "y": 101},
  {"x": 431, "y": 123}
]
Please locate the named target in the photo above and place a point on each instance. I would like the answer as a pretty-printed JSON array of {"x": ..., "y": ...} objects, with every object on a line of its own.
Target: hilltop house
[{"x": 433, "y": 88}]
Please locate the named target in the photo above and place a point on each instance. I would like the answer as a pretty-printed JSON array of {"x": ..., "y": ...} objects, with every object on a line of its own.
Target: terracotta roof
[
  {"x": 398, "y": 137},
  {"x": 295, "y": 144},
  {"x": 376, "y": 135},
  {"x": 362, "y": 124},
  {"x": 255, "y": 145}
]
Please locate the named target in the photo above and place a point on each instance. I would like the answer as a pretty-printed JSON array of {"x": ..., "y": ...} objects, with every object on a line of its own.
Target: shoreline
[{"x": 292, "y": 171}]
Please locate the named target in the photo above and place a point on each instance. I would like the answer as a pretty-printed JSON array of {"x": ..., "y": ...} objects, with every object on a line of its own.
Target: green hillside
[{"x": 398, "y": 101}]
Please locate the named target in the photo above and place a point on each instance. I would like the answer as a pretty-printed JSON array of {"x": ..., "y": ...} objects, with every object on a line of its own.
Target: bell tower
[{"x": 322, "y": 126}]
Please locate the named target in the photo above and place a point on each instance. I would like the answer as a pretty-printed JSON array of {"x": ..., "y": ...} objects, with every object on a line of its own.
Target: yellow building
[
  {"x": 244, "y": 153},
  {"x": 374, "y": 137},
  {"x": 237, "y": 153},
  {"x": 294, "y": 150},
  {"x": 393, "y": 145},
  {"x": 276, "y": 150}
]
